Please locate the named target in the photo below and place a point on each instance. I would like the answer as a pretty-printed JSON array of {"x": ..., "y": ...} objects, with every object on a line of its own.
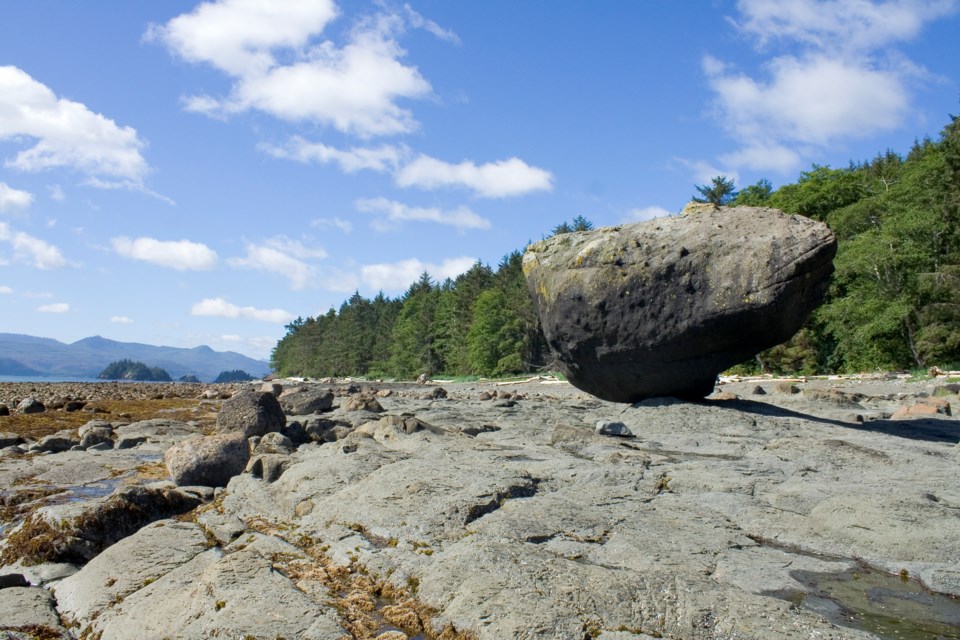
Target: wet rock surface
[
  {"x": 559, "y": 516},
  {"x": 660, "y": 308}
]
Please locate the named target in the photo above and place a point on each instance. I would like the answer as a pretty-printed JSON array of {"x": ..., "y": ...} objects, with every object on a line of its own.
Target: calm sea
[{"x": 45, "y": 379}]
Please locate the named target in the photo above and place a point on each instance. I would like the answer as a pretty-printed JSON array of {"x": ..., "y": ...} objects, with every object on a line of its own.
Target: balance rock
[{"x": 660, "y": 308}]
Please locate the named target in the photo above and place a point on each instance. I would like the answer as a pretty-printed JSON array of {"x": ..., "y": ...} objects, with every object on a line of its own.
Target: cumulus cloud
[
  {"x": 838, "y": 77},
  {"x": 393, "y": 213},
  {"x": 382, "y": 158},
  {"x": 278, "y": 67},
  {"x": 220, "y": 308},
  {"x": 120, "y": 320},
  {"x": 66, "y": 134},
  {"x": 501, "y": 179},
  {"x": 31, "y": 250},
  {"x": 646, "y": 213},
  {"x": 57, "y": 307},
  {"x": 283, "y": 256},
  {"x": 182, "y": 255},
  {"x": 397, "y": 276},
  {"x": 12, "y": 199},
  {"x": 5, "y": 290},
  {"x": 839, "y": 24}
]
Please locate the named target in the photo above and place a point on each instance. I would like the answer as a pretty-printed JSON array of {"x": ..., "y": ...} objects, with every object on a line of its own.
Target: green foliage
[
  {"x": 894, "y": 302},
  {"x": 756, "y": 195},
  {"x": 237, "y": 375},
  {"x": 579, "y": 224},
  {"x": 130, "y": 370},
  {"x": 720, "y": 192}
]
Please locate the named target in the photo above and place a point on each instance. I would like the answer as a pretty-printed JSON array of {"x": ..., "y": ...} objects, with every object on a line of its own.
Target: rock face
[
  {"x": 252, "y": 412},
  {"x": 660, "y": 308}
]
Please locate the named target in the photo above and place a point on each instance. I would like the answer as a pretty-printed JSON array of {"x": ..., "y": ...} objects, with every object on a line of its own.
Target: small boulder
[
  {"x": 208, "y": 460},
  {"x": 436, "y": 393},
  {"x": 362, "y": 403},
  {"x": 926, "y": 408},
  {"x": 304, "y": 401},
  {"x": 95, "y": 432},
  {"x": 613, "y": 428},
  {"x": 8, "y": 439},
  {"x": 58, "y": 442},
  {"x": 274, "y": 442},
  {"x": 252, "y": 413},
  {"x": 786, "y": 388},
  {"x": 31, "y": 405}
]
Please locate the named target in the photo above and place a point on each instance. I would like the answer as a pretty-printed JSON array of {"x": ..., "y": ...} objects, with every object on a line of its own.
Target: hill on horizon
[{"x": 30, "y": 355}]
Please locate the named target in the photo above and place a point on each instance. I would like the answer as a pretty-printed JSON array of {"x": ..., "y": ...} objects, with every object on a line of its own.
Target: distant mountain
[{"x": 88, "y": 357}]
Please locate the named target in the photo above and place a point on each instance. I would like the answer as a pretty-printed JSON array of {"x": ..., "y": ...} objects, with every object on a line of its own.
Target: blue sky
[{"x": 187, "y": 173}]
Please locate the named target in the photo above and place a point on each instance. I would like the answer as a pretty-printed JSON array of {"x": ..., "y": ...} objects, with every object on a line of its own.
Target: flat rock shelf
[{"x": 823, "y": 508}]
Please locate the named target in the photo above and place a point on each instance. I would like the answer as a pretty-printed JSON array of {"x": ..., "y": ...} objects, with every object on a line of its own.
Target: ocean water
[{"x": 46, "y": 379}]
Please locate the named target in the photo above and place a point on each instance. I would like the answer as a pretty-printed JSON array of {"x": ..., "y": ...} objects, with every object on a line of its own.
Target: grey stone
[
  {"x": 28, "y": 606},
  {"x": 268, "y": 467},
  {"x": 660, "y": 308},
  {"x": 252, "y": 413},
  {"x": 129, "y": 442},
  {"x": 208, "y": 460},
  {"x": 57, "y": 442},
  {"x": 306, "y": 400},
  {"x": 613, "y": 428},
  {"x": 274, "y": 442},
  {"x": 8, "y": 439},
  {"x": 31, "y": 405},
  {"x": 8, "y": 580}
]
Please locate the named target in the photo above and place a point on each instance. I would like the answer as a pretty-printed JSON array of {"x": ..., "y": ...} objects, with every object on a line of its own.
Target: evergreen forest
[{"x": 893, "y": 304}]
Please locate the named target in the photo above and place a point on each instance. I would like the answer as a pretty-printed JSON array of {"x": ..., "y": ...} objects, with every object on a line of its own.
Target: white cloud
[
  {"x": 182, "y": 255},
  {"x": 282, "y": 256},
  {"x": 810, "y": 100},
  {"x": 32, "y": 250},
  {"x": 11, "y": 198},
  {"x": 56, "y": 193},
  {"x": 839, "y": 77},
  {"x": 397, "y": 276},
  {"x": 120, "y": 320},
  {"x": 57, "y": 307},
  {"x": 353, "y": 88},
  {"x": 501, "y": 179},
  {"x": 839, "y": 24},
  {"x": 397, "y": 212},
  {"x": 646, "y": 213},
  {"x": 5, "y": 290},
  {"x": 382, "y": 158},
  {"x": 220, "y": 308},
  {"x": 67, "y": 134},
  {"x": 338, "y": 223},
  {"x": 759, "y": 156}
]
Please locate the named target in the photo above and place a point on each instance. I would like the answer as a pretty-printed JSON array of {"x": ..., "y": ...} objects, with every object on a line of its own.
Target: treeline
[
  {"x": 480, "y": 323},
  {"x": 894, "y": 302}
]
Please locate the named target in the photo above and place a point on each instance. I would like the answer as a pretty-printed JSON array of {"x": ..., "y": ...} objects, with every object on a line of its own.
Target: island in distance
[{"x": 87, "y": 358}]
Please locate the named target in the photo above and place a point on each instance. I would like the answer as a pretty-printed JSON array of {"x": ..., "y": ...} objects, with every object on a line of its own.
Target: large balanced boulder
[
  {"x": 253, "y": 413},
  {"x": 659, "y": 308}
]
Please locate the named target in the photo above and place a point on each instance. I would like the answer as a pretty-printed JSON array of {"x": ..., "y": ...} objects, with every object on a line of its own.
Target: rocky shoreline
[{"x": 478, "y": 510}]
